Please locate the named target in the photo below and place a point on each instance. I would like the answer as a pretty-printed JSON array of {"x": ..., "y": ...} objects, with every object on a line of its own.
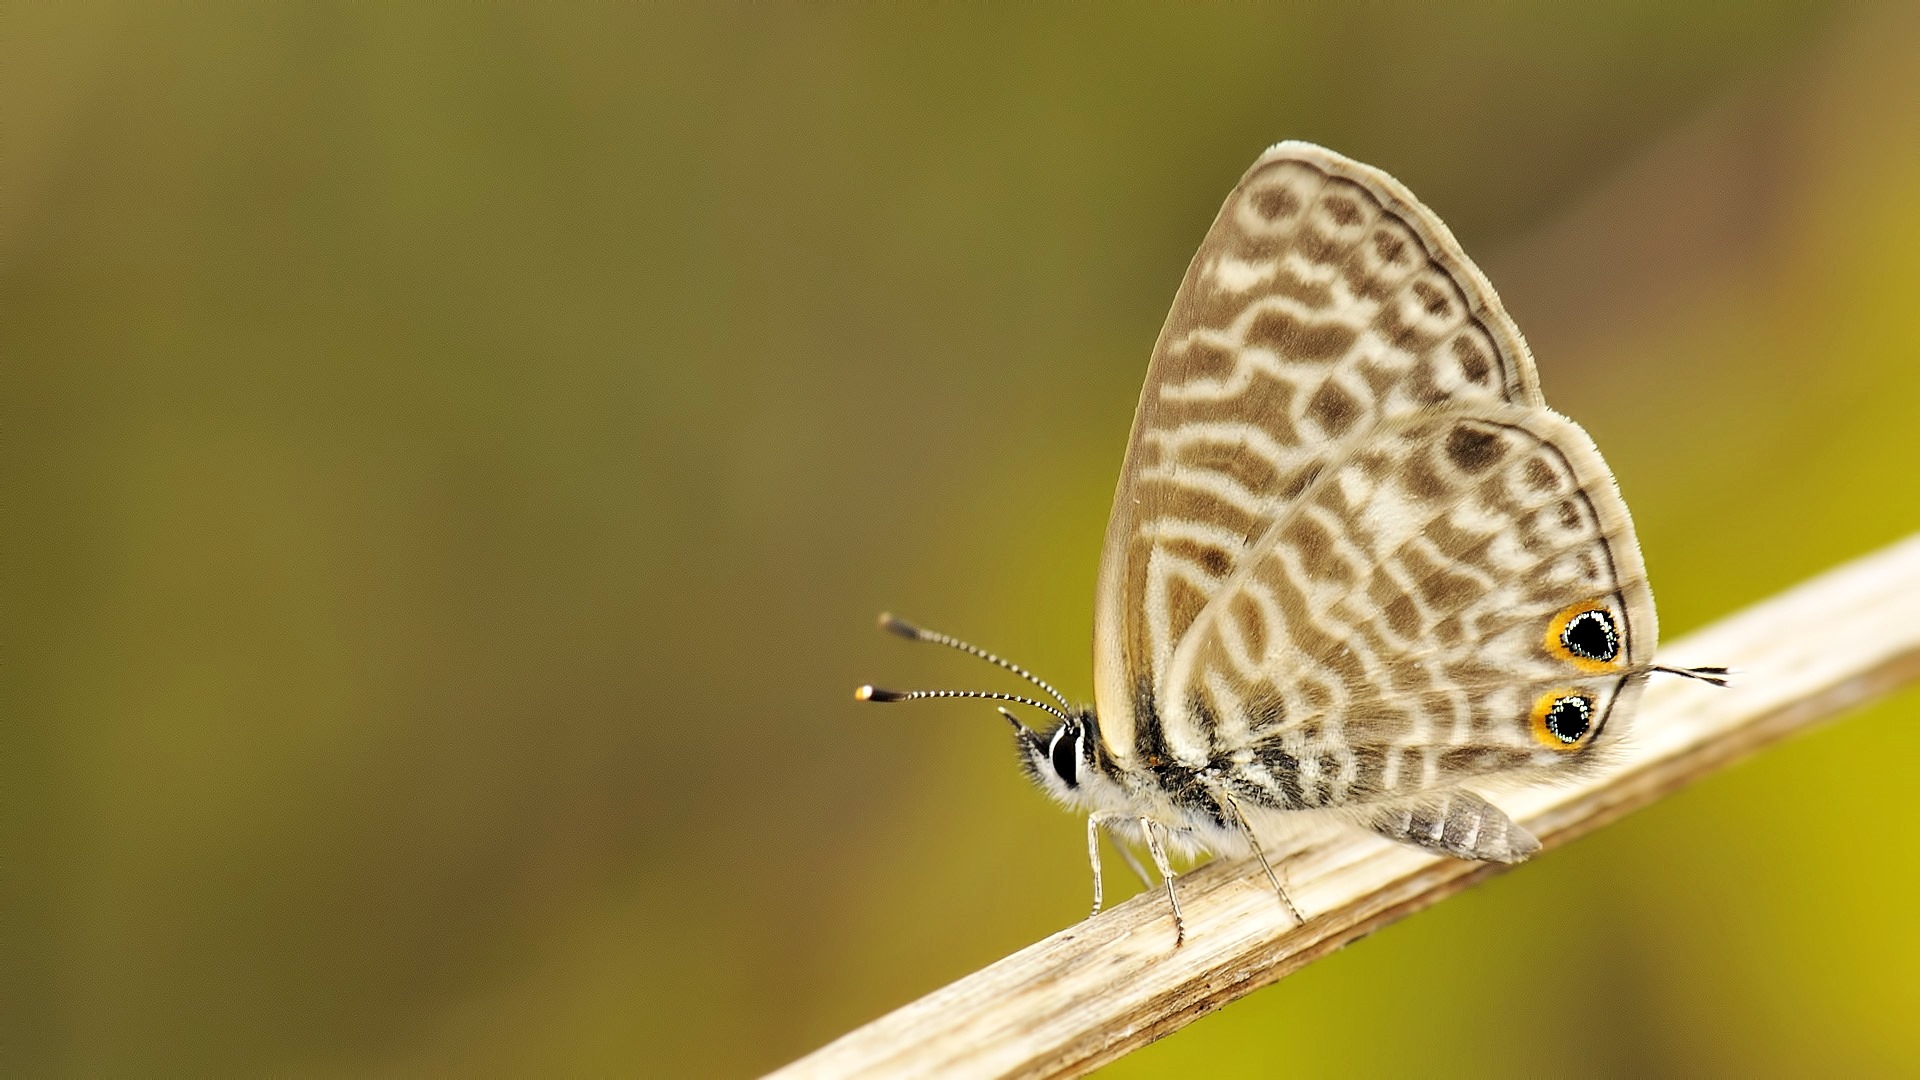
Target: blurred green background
[{"x": 454, "y": 457}]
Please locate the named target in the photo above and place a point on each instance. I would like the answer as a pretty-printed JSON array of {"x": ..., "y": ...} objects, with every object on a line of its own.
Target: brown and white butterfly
[{"x": 1355, "y": 565}]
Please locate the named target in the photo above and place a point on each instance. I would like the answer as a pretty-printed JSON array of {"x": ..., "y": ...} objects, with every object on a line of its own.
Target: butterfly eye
[
  {"x": 1585, "y": 634},
  {"x": 1065, "y": 753},
  {"x": 1561, "y": 719}
]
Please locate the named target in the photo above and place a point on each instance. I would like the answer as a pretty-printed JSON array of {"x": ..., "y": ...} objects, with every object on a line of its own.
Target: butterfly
[{"x": 1355, "y": 565}]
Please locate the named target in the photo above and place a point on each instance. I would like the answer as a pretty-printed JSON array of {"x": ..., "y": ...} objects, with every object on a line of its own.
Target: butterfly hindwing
[{"x": 1400, "y": 628}]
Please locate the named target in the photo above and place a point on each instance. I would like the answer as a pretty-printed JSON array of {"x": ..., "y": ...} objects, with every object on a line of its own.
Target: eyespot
[
  {"x": 1587, "y": 635},
  {"x": 1562, "y": 719},
  {"x": 1065, "y": 753}
]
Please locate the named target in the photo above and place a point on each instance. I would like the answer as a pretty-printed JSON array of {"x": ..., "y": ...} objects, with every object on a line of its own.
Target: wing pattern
[{"x": 1347, "y": 523}]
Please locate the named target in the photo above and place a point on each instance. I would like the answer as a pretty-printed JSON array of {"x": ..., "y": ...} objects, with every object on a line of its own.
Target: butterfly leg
[
  {"x": 1232, "y": 806},
  {"x": 1096, "y": 821},
  {"x": 1159, "y": 853}
]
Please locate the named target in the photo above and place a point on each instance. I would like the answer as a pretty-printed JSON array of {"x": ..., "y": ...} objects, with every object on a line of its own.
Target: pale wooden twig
[{"x": 1095, "y": 991}]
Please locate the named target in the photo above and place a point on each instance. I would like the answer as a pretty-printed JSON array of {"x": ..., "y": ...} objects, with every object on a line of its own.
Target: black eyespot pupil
[
  {"x": 1570, "y": 718},
  {"x": 1590, "y": 636},
  {"x": 1066, "y": 756}
]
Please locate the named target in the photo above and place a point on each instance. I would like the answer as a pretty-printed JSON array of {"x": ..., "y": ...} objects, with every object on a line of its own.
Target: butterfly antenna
[
  {"x": 874, "y": 693},
  {"x": 1718, "y": 676},
  {"x": 895, "y": 625}
]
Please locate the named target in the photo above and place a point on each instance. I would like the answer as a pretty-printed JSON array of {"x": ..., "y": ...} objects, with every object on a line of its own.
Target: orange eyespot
[
  {"x": 1587, "y": 635},
  {"x": 1562, "y": 719}
]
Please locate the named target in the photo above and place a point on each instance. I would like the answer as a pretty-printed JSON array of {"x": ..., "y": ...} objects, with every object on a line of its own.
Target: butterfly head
[{"x": 1064, "y": 758}]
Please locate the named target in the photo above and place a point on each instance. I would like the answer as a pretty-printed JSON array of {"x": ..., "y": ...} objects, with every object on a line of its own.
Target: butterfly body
[{"x": 1356, "y": 566}]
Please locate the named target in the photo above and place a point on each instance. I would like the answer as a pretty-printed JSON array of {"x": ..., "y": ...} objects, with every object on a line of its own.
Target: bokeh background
[{"x": 453, "y": 458}]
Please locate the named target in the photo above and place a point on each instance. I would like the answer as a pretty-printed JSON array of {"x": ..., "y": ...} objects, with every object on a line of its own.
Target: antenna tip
[
  {"x": 893, "y": 624},
  {"x": 870, "y": 692}
]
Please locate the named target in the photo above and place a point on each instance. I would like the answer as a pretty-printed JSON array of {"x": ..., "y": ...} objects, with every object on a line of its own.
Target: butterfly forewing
[{"x": 1347, "y": 523}]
